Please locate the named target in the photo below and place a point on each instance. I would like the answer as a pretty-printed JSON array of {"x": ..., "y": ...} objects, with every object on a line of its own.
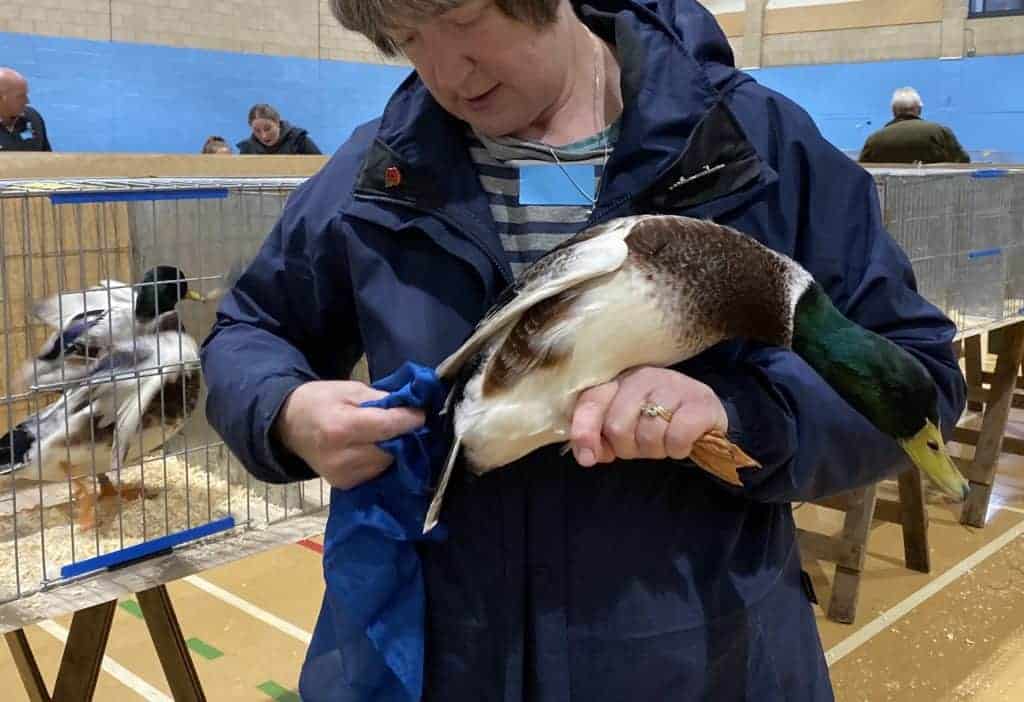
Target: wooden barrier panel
[{"x": 15, "y": 166}]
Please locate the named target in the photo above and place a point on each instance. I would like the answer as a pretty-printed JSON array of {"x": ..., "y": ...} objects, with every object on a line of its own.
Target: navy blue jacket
[{"x": 644, "y": 580}]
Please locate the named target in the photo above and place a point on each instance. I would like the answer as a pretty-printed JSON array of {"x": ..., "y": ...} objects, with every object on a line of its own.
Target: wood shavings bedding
[{"x": 181, "y": 496}]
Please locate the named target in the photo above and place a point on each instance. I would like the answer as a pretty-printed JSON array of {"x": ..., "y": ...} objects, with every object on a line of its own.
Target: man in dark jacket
[
  {"x": 910, "y": 139},
  {"x": 643, "y": 579},
  {"x": 21, "y": 127}
]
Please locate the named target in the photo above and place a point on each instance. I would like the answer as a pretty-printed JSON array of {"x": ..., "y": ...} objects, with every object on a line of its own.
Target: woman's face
[
  {"x": 498, "y": 74},
  {"x": 267, "y": 131}
]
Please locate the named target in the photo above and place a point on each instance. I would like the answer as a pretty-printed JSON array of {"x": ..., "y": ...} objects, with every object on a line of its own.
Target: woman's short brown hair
[
  {"x": 263, "y": 111},
  {"x": 371, "y": 17},
  {"x": 215, "y": 144}
]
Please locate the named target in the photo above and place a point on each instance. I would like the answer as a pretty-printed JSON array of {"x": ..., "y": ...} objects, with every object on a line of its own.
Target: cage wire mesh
[
  {"x": 59, "y": 240},
  {"x": 964, "y": 234}
]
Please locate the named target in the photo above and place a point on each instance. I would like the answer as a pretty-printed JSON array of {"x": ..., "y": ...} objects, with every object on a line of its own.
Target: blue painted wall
[
  {"x": 110, "y": 96},
  {"x": 981, "y": 98}
]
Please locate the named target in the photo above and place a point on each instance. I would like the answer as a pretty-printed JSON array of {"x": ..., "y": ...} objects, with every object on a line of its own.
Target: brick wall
[
  {"x": 85, "y": 19},
  {"x": 793, "y": 32},
  {"x": 273, "y": 27}
]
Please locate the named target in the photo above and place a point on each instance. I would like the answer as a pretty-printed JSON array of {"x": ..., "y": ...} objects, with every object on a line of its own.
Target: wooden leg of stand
[
  {"x": 170, "y": 645},
  {"x": 850, "y": 561},
  {"x": 982, "y": 469},
  {"x": 914, "y": 518},
  {"x": 83, "y": 653},
  {"x": 27, "y": 667}
]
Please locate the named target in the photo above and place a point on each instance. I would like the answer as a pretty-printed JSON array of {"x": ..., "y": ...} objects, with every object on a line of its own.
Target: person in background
[
  {"x": 272, "y": 135},
  {"x": 216, "y": 145},
  {"x": 21, "y": 127},
  {"x": 910, "y": 139}
]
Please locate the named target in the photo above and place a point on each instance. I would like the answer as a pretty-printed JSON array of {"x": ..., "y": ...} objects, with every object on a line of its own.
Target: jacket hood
[
  {"x": 290, "y": 131},
  {"x": 694, "y": 25}
]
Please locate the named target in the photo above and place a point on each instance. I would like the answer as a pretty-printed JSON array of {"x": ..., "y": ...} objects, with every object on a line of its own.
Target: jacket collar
[
  {"x": 675, "y": 127},
  {"x": 904, "y": 118}
]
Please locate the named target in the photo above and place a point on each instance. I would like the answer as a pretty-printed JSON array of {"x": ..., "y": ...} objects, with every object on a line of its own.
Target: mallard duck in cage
[
  {"x": 135, "y": 398},
  {"x": 129, "y": 378},
  {"x": 87, "y": 324}
]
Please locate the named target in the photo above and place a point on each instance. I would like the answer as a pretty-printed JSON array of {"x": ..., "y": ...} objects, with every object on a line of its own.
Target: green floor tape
[
  {"x": 204, "y": 649},
  {"x": 132, "y": 607},
  {"x": 278, "y": 693}
]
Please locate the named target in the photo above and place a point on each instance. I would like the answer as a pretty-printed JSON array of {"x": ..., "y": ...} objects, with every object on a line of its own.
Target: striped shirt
[{"x": 528, "y": 231}]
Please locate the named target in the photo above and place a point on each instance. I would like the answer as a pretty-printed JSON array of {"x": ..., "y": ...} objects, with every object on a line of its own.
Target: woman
[
  {"x": 642, "y": 580},
  {"x": 216, "y": 145},
  {"x": 272, "y": 135}
]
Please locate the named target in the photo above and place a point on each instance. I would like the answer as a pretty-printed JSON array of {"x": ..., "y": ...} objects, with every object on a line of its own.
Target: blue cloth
[
  {"x": 368, "y": 641},
  {"x": 644, "y": 579}
]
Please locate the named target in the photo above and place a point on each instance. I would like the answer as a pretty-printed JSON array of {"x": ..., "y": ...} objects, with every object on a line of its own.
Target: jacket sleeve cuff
[
  {"x": 758, "y": 423},
  {"x": 277, "y": 463}
]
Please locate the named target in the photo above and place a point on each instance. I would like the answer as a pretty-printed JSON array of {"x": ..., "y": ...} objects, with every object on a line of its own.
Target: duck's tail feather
[
  {"x": 14, "y": 446},
  {"x": 434, "y": 511}
]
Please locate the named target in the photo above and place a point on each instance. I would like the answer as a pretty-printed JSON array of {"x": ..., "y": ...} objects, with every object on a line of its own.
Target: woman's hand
[
  {"x": 608, "y": 424},
  {"x": 323, "y": 424}
]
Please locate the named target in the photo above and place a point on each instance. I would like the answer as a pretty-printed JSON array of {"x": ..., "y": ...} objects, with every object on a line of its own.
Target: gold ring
[{"x": 649, "y": 409}]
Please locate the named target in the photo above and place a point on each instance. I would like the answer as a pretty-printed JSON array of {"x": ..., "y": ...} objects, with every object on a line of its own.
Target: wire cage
[
  {"x": 963, "y": 230},
  {"x": 83, "y": 247},
  {"x": 964, "y": 233}
]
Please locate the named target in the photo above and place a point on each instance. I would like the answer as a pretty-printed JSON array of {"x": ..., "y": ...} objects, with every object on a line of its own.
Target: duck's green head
[
  {"x": 883, "y": 381},
  {"x": 161, "y": 289}
]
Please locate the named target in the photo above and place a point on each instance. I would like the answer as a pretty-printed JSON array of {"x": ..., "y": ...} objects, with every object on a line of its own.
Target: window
[{"x": 981, "y": 8}]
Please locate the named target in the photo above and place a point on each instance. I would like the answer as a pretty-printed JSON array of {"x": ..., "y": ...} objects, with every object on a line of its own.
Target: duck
[
  {"x": 86, "y": 324},
  {"x": 135, "y": 397},
  {"x": 656, "y": 290}
]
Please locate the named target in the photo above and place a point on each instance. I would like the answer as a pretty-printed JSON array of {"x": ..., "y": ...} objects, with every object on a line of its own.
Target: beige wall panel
[
  {"x": 868, "y": 13},
  {"x": 732, "y": 23},
  {"x": 853, "y": 45},
  {"x": 996, "y": 35},
  {"x": 736, "y": 44},
  {"x": 306, "y": 28},
  {"x": 83, "y": 19},
  {"x": 293, "y": 28},
  {"x": 257, "y": 26}
]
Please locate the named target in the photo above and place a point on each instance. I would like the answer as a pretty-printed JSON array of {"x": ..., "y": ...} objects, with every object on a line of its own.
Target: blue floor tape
[{"x": 146, "y": 549}]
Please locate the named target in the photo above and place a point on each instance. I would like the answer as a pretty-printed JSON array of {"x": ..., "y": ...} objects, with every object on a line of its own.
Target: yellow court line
[
  {"x": 890, "y": 616},
  {"x": 249, "y": 608}
]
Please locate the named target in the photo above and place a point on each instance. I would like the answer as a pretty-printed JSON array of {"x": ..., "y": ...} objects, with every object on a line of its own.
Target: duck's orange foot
[
  {"x": 128, "y": 493},
  {"x": 717, "y": 455}
]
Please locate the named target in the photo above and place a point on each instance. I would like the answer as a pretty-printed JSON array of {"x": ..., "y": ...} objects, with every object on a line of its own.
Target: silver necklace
[{"x": 597, "y": 121}]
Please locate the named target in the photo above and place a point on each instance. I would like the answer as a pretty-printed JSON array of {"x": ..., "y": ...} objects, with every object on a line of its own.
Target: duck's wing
[
  {"x": 62, "y": 434},
  {"x": 156, "y": 360},
  {"x": 85, "y": 324},
  {"x": 59, "y": 310},
  {"x": 544, "y": 288}
]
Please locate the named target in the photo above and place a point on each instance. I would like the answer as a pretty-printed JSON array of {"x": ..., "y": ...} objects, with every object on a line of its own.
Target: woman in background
[
  {"x": 272, "y": 135},
  {"x": 216, "y": 145}
]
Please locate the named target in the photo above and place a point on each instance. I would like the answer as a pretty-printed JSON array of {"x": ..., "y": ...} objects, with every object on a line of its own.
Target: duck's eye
[{"x": 933, "y": 445}]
